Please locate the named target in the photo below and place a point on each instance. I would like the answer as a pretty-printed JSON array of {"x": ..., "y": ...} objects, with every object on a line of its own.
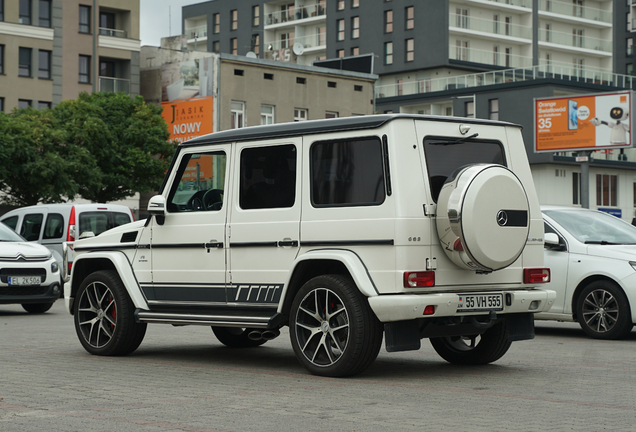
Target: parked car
[
  {"x": 349, "y": 231},
  {"x": 29, "y": 274},
  {"x": 52, "y": 224},
  {"x": 592, "y": 256}
]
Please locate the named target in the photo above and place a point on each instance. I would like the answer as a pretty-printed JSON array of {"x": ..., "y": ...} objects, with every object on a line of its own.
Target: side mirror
[
  {"x": 157, "y": 208},
  {"x": 551, "y": 239}
]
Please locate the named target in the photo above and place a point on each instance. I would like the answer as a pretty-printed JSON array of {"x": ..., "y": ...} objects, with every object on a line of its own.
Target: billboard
[
  {"x": 590, "y": 122},
  {"x": 188, "y": 118}
]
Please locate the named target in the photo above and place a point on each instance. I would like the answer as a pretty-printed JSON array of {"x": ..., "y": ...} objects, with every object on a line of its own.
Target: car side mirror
[
  {"x": 157, "y": 208},
  {"x": 552, "y": 241}
]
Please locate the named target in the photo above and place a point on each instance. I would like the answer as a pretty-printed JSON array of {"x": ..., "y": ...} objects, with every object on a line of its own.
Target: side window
[
  {"x": 54, "y": 226},
  {"x": 268, "y": 177},
  {"x": 121, "y": 219},
  {"x": 11, "y": 222},
  {"x": 446, "y": 155},
  {"x": 199, "y": 184},
  {"x": 31, "y": 226},
  {"x": 347, "y": 173}
]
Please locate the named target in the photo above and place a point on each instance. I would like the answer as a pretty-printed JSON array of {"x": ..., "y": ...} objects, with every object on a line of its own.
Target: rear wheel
[
  {"x": 236, "y": 337},
  {"x": 37, "y": 308},
  {"x": 474, "y": 349},
  {"x": 333, "y": 330},
  {"x": 103, "y": 317},
  {"x": 603, "y": 311}
]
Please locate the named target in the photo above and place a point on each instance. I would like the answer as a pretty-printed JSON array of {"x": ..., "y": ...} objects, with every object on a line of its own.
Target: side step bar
[{"x": 259, "y": 322}]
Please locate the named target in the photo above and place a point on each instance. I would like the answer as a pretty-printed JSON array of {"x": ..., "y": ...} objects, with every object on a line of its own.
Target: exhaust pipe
[{"x": 257, "y": 335}]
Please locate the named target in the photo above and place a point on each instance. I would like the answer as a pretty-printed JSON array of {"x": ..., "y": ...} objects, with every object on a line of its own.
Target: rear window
[
  {"x": 445, "y": 155},
  {"x": 101, "y": 221}
]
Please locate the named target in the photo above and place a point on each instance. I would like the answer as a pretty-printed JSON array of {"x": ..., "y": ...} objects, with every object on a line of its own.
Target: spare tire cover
[{"x": 486, "y": 207}]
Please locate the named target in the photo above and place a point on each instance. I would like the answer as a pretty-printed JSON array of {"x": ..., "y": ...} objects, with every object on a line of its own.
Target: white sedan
[{"x": 592, "y": 258}]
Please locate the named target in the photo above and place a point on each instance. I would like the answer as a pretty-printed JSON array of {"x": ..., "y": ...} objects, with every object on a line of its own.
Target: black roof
[{"x": 321, "y": 126}]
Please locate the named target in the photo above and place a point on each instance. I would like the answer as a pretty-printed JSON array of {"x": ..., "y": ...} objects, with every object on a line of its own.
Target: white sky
[{"x": 154, "y": 21}]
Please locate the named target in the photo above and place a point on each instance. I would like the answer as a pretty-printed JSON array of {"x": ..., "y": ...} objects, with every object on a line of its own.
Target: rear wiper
[
  {"x": 601, "y": 242},
  {"x": 457, "y": 141}
]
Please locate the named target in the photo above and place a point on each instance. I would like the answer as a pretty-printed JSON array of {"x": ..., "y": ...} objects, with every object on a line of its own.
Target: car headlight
[
  {"x": 55, "y": 268},
  {"x": 633, "y": 264}
]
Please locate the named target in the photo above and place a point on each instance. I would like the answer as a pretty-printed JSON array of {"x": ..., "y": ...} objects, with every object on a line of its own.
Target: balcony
[
  {"x": 499, "y": 28},
  {"x": 570, "y": 10},
  {"x": 295, "y": 14},
  {"x": 551, "y": 71},
  {"x": 113, "y": 32},
  {"x": 199, "y": 32},
  {"x": 604, "y": 47},
  {"x": 108, "y": 84},
  {"x": 310, "y": 43},
  {"x": 488, "y": 57},
  {"x": 520, "y": 3}
]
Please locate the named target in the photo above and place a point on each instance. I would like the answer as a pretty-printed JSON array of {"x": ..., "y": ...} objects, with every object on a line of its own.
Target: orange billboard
[
  {"x": 188, "y": 118},
  {"x": 591, "y": 122}
]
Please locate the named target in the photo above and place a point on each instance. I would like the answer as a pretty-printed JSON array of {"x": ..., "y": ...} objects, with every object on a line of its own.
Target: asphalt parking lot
[{"x": 183, "y": 379}]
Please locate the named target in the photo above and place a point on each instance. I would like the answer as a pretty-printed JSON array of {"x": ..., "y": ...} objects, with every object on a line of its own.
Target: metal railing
[
  {"x": 108, "y": 84},
  {"x": 293, "y": 14},
  {"x": 499, "y": 27},
  {"x": 198, "y": 32},
  {"x": 576, "y": 11},
  {"x": 576, "y": 41},
  {"x": 488, "y": 57},
  {"x": 522, "y": 3},
  {"x": 113, "y": 32},
  {"x": 545, "y": 71},
  {"x": 316, "y": 40}
]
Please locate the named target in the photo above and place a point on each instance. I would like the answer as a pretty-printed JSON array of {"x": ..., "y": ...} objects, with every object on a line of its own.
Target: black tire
[
  {"x": 474, "y": 350},
  {"x": 235, "y": 337},
  {"x": 333, "y": 330},
  {"x": 103, "y": 316},
  {"x": 37, "y": 308},
  {"x": 603, "y": 311}
]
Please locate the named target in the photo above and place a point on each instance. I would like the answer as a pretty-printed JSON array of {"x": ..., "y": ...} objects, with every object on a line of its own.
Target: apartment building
[{"x": 51, "y": 50}]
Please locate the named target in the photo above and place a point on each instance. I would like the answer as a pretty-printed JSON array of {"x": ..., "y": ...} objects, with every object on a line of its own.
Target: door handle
[{"x": 287, "y": 243}]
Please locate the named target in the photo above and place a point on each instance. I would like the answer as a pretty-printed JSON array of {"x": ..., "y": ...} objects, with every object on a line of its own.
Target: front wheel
[
  {"x": 103, "y": 316},
  {"x": 475, "y": 349},
  {"x": 37, "y": 308},
  {"x": 236, "y": 337},
  {"x": 603, "y": 311},
  {"x": 333, "y": 330}
]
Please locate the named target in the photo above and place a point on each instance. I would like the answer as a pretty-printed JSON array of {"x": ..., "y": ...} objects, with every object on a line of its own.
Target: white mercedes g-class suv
[{"x": 346, "y": 230}]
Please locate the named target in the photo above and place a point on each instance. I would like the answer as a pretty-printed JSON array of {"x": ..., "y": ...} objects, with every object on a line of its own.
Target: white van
[
  {"x": 52, "y": 224},
  {"x": 346, "y": 230}
]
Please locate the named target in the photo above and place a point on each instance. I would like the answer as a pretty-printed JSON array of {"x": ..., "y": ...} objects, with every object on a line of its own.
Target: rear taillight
[
  {"x": 536, "y": 275},
  {"x": 419, "y": 279},
  {"x": 70, "y": 234},
  {"x": 132, "y": 215}
]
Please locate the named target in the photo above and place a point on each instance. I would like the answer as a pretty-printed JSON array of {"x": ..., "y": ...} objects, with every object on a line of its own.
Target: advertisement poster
[
  {"x": 188, "y": 118},
  {"x": 591, "y": 122}
]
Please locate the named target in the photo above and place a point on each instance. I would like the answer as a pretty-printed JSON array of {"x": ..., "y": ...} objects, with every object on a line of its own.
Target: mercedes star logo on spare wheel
[{"x": 502, "y": 218}]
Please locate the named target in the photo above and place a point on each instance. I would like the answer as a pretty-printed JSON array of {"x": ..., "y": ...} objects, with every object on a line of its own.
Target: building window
[
  {"x": 577, "y": 38},
  {"x": 629, "y": 69},
  {"x": 341, "y": 4},
  {"x": 410, "y": 50},
  {"x": 216, "y": 23},
  {"x": 44, "y": 20},
  {"x": 1, "y": 102},
  {"x": 409, "y": 14},
  {"x": 606, "y": 190},
  {"x": 355, "y": 3},
  {"x": 267, "y": 114},
  {"x": 1, "y": 59},
  {"x": 388, "y": 21},
  {"x": 234, "y": 21},
  {"x": 508, "y": 25},
  {"x": 2, "y": 16},
  {"x": 238, "y": 115},
  {"x": 470, "y": 109},
  {"x": 256, "y": 44},
  {"x": 24, "y": 103},
  {"x": 576, "y": 188},
  {"x": 508, "y": 57},
  {"x": 84, "y": 69},
  {"x": 341, "y": 30},
  {"x": 461, "y": 18},
  {"x": 578, "y": 8},
  {"x": 355, "y": 51},
  {"x": 495, "y": 55},
  {"x": 400, "y": 87},
  {"x": 84, "y": 19},
  {"x": 630, "y": 46},
  {"x": 286, "y": 40},
  {"x": 300, "y": 114},
  {"x": 461, "y": 50},
  {"x": 234, "y": 46},
  {"x": 25, "y": 12},
  {"x": 44, "y": 105},
  {"x": 44, "y": 64},
  {"x": 493, "y": 108},
  {"x": 216, "y": 47},
  {"x": 24, "y": 69},
  {"x": 340, "y": 53},
  {"x": 106, "y": 23},
  {"x": 331, "y": 114},
  {"x": 578, "y": 64},
  {"x": 388, "y": 53},
  {"x": 256, "y": 16},
  {"x": 355, "y": 27}
]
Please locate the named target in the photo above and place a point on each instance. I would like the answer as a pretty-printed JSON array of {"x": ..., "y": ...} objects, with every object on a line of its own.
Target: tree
[
  {"x": 36, "y": 165},
  {"x": 127, "y": 138}
]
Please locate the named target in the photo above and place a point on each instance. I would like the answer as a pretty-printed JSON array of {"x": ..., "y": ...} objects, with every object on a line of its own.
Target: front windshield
[
  {"x": 8, "y": 235},
  {"x": 592, "y": 227}
]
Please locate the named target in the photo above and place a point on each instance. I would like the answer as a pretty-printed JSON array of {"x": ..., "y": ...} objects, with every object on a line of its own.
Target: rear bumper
[
  {"x": 389, "y": 308},
  {"x": 29, "y": 294}
]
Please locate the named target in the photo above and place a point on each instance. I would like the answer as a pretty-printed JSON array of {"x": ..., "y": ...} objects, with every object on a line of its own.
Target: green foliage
[{"x": 103, "y": 147}]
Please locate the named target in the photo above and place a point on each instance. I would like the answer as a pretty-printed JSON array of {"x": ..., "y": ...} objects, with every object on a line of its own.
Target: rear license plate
[
  {"x": 480, "y": 302},
  {"x": 25, "y": 280}
]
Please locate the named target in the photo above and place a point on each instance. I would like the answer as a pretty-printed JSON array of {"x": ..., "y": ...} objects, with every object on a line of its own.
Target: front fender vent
[{"x": 129, "y": 237}]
